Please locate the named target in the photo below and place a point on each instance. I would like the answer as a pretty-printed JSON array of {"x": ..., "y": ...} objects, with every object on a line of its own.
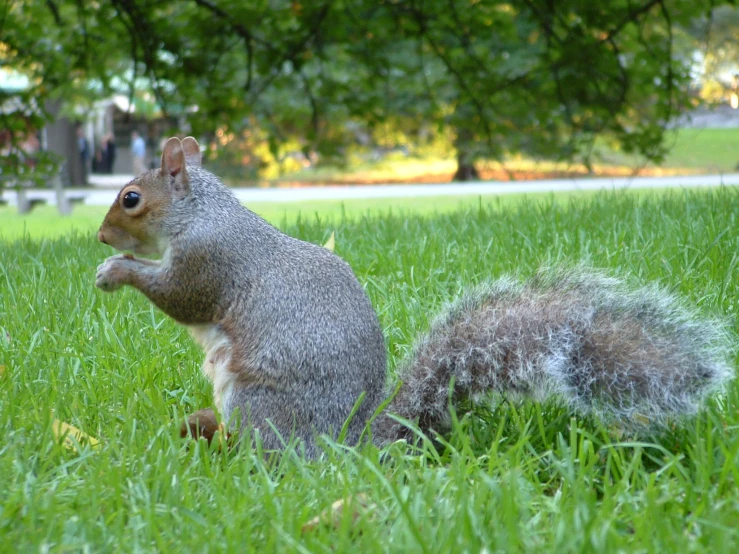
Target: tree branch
[
  {"x": 424, "y": 31},
  {"x": 545, "y": 22},
  {"x": 313, "y": 104},
  {"x": 670, "y": 73},
  {"x": 240, "y": 30},
  {"x": 55, "y": 13},
  {"x": 294, "y": 49},
  {"x": 83, "y": 56},
  {"x": 630, "y": 17}
]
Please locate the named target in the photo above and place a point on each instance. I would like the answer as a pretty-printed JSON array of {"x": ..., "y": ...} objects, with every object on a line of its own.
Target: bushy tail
[{"x": 630, "y": 356}]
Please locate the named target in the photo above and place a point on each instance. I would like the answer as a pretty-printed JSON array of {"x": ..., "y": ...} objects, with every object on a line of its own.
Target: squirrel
[{"x": 294, "y": 348}]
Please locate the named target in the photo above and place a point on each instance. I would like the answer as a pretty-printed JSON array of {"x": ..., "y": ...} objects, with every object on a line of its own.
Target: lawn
[
  {"x": 712, "y": 149},
  {"x": 46, "y": 222},
  {"x": 512, "y": 477},
  {"x": 705, "y": 150}
]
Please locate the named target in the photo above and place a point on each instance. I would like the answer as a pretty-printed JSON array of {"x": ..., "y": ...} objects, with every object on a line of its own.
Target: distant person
[
  {"x": 108, "y": 153},
  {"x": 84, "y": 149},
  {"x": 97, "y": 159},
  {"x": 138, "y": 152}
]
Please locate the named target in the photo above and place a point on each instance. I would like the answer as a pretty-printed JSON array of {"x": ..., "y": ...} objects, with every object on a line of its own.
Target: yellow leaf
[
  {"x": 333, "y": 515},
  {"x": 2, "y": 370},
  {"x": 330, "y": 243},
  {"x": 616, "y": 431},
  {"x": 72, "y": 435}
]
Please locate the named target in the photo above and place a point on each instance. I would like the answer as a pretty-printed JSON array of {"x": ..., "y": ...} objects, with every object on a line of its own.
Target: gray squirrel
[{"x": 292, "y": 342}]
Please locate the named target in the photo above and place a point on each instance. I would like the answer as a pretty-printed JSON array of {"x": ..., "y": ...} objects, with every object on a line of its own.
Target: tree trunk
[
  {"x": 61, "y": 139},
  {"x": 465, "y": 170},
  {"x": 465, "y": 162}
]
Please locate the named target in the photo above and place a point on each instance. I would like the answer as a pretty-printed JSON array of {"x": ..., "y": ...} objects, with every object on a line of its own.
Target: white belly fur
[{"x": 217, "y": 348}]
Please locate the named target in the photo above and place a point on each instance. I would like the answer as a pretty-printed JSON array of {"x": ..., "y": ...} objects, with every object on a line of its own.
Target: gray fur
[
  {"x": 304, "y": 334},
  {"x": 634, "y": 357}
]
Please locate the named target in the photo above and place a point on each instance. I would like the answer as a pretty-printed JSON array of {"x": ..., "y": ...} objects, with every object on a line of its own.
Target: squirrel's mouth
[{"x": 124, "y": 242}]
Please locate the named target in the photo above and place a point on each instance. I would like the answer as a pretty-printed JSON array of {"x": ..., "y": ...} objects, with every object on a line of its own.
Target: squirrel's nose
[{"x": 101, "y": 237}]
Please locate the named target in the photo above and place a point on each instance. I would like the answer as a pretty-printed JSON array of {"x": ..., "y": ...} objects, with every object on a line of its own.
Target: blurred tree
[
  {"x": 70, "y": 58},
  {"x": 718, "y": 35},
  {"x": 498, "y": 77}
]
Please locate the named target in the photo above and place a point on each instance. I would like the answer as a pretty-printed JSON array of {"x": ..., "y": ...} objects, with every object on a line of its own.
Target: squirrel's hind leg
[{"x": 275, "y": 414}]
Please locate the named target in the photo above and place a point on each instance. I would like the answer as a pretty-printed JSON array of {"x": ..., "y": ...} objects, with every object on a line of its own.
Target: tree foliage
[
  {"x": 531, "y": 76},
  {"x": 718, "y": 35}
]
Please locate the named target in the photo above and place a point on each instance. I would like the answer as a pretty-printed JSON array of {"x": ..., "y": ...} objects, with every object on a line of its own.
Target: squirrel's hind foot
[{"x": 203, "y": 424}]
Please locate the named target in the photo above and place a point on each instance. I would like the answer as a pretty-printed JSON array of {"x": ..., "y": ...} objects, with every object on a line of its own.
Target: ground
[{"x": 512, "y": 477}]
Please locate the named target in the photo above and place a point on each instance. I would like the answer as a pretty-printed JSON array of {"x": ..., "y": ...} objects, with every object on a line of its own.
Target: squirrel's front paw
[{"x": 112, "y": 273}]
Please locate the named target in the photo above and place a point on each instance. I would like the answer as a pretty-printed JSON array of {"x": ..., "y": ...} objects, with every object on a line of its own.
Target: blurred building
[
  {"x": 116, "y": 116},
  {"x": 119, "y": 117}
]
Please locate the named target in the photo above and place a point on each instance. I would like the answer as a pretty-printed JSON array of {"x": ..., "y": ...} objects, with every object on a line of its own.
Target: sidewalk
[
  {"x": 109, "y": 185},
  {"x": 115, "y": 181}
]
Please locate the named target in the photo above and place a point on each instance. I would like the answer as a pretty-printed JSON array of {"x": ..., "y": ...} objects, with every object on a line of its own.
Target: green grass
[
  {"x": 517, "y": 477},
  {"x": 705, "y": 150},
  {"x": 714, "y": 150},
  {"x": 46, "y": 222}
]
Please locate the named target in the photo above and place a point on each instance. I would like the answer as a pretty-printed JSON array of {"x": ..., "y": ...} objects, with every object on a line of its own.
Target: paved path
[
  {"x": 719, "y": 117},
  {"x": 105, "y": 196}
]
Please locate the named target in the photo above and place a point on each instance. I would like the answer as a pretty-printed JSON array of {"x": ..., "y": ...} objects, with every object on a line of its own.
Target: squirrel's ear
[
  {"x": 173, "y": 165},
  {"x": 192, "y": 151}
]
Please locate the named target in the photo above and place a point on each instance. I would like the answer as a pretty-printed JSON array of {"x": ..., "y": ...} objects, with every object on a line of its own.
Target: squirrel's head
[{"x": 134, "y": 221}]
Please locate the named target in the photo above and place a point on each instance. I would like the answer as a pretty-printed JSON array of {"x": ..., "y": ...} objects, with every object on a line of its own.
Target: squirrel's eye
[{"x": 130, "y": 199}]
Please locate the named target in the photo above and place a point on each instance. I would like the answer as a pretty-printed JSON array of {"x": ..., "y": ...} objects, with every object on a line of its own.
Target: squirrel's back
[{"x": 632, "y": 356}]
